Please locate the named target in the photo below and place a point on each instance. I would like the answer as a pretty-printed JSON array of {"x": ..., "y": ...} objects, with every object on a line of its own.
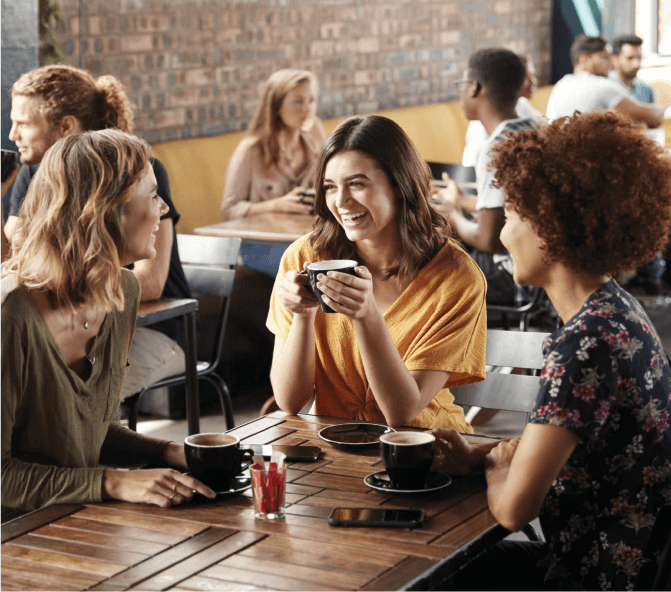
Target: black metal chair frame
[
  {"x": 209, "y": 266},
  {"x": 509, "y": 392}
]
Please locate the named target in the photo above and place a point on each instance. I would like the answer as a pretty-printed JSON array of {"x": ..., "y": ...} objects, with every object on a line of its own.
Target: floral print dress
[{"x": 607, "y": 379}]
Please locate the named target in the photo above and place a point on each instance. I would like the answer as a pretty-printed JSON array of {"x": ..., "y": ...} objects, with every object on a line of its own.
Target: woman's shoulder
[
  {"x": 130, "y": 285},
  {"x": 459, "y": 264},
  {"x": 249, "y": 146},
  {"x": 300, "y": 250},
  {"x": 8, "y": 285}
]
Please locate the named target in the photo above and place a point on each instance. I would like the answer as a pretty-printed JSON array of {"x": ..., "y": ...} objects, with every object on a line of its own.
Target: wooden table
[
  {"x": 154, "y": 311},
  {"x": 219, "y": 545},
  {"x": 266, "y": 228}
]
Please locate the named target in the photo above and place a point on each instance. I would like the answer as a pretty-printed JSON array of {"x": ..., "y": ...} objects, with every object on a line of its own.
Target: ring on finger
[
  {"x": 174, "y": 487},
  {"x": 173, "y": 495}
]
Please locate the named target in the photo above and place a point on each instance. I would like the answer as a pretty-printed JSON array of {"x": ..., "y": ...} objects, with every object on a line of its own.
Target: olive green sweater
[{"x": 56, "y": 430}]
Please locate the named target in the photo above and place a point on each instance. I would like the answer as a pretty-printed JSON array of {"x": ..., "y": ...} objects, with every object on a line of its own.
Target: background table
[
  {"x": 154, "y": 311},
  {"x": 219, "y": 545},
  {"x": 265, "y": 228}
]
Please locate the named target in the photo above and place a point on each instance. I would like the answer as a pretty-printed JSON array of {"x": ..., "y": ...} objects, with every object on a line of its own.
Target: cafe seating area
[{"x": 334, "y": 295}]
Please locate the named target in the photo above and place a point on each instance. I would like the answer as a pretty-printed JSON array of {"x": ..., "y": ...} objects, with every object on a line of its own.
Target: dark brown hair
[
  {"x": 423, "y": 231},
  {"x": 597, "y": 191}
]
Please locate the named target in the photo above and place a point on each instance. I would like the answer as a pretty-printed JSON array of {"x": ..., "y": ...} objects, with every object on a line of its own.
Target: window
[{"x": 653, "y": 25}]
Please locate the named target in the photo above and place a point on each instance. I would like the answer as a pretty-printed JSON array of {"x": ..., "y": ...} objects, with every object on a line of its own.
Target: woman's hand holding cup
[
  {"x": 348, "y": 294},
  {"x": 295, "y": 293}
]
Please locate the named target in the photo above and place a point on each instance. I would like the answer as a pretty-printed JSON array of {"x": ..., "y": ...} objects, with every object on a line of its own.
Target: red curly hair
[{"x": 597, "y": 191}]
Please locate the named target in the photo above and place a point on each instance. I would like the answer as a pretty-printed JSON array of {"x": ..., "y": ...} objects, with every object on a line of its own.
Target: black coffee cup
[
  {"x": 314, "y": 269},
  {"x": 407, "y": 456},
  {"x": 215, "y": 459}
]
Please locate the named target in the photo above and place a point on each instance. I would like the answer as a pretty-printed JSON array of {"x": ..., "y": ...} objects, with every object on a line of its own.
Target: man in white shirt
[
  {"x": 489, "y": 90},
  {"x": 589, "y": 87}
]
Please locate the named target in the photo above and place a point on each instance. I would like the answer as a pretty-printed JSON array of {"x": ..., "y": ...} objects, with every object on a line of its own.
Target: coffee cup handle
[
  {"x": 307, "y": 286},
  {"x": 247, "y": 453}
]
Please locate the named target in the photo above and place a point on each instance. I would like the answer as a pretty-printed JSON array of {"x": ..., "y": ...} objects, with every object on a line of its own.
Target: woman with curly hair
[
  {"x": 411, "y": 322},
  {"x": 587, "y": 197},
  {"x": 68, "y": 316}
]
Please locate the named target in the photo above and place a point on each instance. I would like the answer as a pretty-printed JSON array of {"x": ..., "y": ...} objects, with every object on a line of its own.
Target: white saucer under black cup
[{"x": 434, "y": 482}]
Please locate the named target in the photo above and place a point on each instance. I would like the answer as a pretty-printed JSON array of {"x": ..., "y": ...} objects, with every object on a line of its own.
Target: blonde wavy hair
[
  {"x": 70, "y": 241},
  {"x": 267, "y": 122},
  {"x": 66, "y": 90}
]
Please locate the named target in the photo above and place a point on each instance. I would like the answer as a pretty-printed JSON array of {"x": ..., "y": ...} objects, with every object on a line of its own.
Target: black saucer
[
  {"x": 434, "y": 482},
  {"x": 238, "y": 485}
]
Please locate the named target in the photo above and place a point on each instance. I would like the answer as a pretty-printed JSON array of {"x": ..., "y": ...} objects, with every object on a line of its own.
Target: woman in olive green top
[{"x": 68, "y": 314}]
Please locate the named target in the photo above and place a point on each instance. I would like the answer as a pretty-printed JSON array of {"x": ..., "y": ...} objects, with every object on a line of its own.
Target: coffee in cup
[
  {"x": 407, "y": 456},
  {"x": 314, "y": 269},
  {"x": 215, "y": 459}
]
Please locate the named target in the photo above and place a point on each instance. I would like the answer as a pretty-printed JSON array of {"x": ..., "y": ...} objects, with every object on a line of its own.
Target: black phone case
[
  {"x": 311, "y": 453},
  {"x": 376, "y": 523}
]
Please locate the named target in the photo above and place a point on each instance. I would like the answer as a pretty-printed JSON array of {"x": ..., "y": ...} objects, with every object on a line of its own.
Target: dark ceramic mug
[
  {"x": 314, "y": 269},
  {"x": 407, "y": 456},
  {"x": 215, "y": 459}
]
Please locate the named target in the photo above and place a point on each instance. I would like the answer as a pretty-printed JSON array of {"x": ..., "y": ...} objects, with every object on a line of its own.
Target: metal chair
[
  {"x": 457, "y": 172},
  {"x": 537, "y": 305},
  {"x": 505, "y": 391},
  {"x": 209, "y": 266}
]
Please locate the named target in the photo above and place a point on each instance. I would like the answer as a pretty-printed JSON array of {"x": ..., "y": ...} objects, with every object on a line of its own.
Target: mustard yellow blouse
[{"x": 438, "y": 323}]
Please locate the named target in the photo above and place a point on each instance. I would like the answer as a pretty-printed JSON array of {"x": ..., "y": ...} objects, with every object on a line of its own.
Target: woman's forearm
[
  {"x": 395, "y": 390},
  {"x": 293, "y": 371}
]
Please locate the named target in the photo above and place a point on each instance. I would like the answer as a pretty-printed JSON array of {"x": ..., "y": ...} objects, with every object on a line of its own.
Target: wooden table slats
[
  {"x": 219, "y": 545},
  {"x": 199, "y": 561},
  {"x": 171, "y": 557}
]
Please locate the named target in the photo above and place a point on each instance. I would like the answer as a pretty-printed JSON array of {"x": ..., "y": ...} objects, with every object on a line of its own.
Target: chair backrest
[
  {"x": 209, "y": 266},
  {"x": 508, "y": 392},
  {"x": 458, "y": 172}
]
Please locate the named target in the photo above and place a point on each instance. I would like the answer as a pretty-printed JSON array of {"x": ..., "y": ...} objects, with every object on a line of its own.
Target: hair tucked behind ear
[{"x": 69, "y": 239}]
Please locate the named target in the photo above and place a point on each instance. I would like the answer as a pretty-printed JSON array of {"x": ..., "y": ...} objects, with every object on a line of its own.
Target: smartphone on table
[
  {"x": 294, "y": 453},
  {"x": 376, "y": 517}
]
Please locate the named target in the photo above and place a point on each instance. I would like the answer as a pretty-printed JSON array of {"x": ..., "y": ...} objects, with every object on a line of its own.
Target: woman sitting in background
[
  {"x": 412, "y": 321},
  {"x": 68, "y": 315},
  {"x": 274, "y": 164},
  {"x": 586, "y": 198}
]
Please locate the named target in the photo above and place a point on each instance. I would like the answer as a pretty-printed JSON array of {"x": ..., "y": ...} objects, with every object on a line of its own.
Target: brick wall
[{"x": 196, "y": 67}]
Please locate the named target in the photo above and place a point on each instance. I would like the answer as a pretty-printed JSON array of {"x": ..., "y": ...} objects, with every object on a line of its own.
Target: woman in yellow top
[{"x": 412, "y": 321}]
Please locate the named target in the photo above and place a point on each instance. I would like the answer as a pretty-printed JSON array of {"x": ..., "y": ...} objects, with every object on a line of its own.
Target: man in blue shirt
[{"x": 626, "y": 59}]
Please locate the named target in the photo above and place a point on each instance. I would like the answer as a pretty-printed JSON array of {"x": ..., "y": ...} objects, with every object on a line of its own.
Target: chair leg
[
  {"x": 532, "y": 533},
  {"x": 224, "y": 397},
  {"x": 132, "y": 415}
]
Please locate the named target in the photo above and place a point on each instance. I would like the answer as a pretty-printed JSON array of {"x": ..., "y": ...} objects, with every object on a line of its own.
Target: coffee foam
[
  {"x": 333, "y": 264},
  {"x": 407, "y": 438},
  {"x": 210, "y": 440}
]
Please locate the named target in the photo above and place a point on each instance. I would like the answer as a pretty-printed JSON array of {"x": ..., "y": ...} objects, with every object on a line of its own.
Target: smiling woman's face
[
  {"x": 140, "y": 220},
  {"x": 525, "y": 246},
  {"x": 361, "y": 197}
]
